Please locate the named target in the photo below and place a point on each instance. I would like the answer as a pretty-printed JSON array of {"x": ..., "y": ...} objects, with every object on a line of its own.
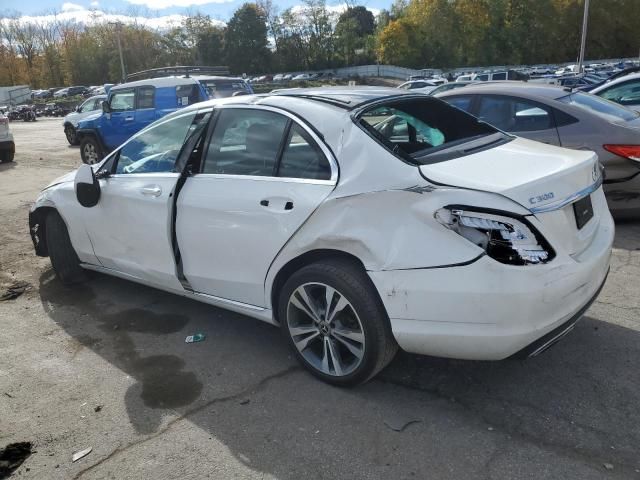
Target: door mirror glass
[
  {"x": 105, "y": 107},
  {"x": 87, "y": 187}
]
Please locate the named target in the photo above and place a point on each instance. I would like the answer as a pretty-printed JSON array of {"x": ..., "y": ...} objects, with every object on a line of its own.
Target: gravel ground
[{"x": 104, "y": 365}]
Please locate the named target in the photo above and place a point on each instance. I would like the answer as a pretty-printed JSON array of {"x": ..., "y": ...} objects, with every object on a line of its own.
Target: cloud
[
  {"x": 95, "y": 3},
  {"x": 335, "y": 9},
  {"x": 162, "y": 4},
  {"x": 71, "y": 7},
  {"x": 94, "y": 16}
]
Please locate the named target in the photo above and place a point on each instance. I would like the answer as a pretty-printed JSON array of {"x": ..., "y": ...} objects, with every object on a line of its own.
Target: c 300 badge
[{"x": 541, "y": 198}]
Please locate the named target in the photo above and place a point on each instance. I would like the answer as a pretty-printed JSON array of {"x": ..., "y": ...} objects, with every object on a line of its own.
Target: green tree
[{"x": 246, "y": 40}]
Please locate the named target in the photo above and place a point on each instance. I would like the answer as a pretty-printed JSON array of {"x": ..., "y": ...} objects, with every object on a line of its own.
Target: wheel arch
[{"x": 302, "y": 261}]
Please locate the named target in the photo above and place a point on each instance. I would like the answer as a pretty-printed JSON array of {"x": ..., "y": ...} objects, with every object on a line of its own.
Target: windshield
[
  {"x": 417, "y": 128},
  {"x": 599, "y": 106},
  {"x": 224, "y": 88}
]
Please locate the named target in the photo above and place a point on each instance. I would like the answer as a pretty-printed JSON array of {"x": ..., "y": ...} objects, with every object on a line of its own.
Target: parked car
[
  {"x": 294, "y": 209},
  {"x": 71, "y": 92},
  {"x": 87, "y": 108},
  {"x": 450, "y": 86},
  {"x": 623, "y": 90},
  {"x": 421, "y": 86},
  {"x": 570, "y": 119},
  {"x": 7, "y": 146},
  {"x": 222, "y": 87},
  {"x": 129, "y": 108}
]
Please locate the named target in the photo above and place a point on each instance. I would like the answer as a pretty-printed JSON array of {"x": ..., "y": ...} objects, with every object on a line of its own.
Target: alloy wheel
[
  {"x": 325, "y": 329},
  {"x": 90, "y": 153}
]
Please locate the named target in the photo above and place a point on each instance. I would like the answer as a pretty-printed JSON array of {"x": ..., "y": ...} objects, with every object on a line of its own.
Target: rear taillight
[
  {"x": 632, "y": 152},
  {"x": 4, "y": 120}
]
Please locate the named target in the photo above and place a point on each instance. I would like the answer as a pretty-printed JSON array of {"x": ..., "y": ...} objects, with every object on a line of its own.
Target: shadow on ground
[
  {"x": 570, "y": 409},
  {"x": 7, "y": 166}
]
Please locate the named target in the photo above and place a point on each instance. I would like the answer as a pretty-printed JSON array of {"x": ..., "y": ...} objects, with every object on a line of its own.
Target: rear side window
[
  {"x": 414, "y": 128},
  {"x": 146, "y": 97},
  {"x": 515, "y": 114},
  {"x": 499, "y": 76},
  {"x": 187, "y": 94},
  {"x": 463, "y": 102},
  {"x": 224, "y": 88},
  {"x": 599, "y": 106},
  {"x": 302, "y": 158}
]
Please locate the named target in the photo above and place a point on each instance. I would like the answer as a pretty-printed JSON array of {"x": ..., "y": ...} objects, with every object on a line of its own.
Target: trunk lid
[{"x": 545, "y": 179}]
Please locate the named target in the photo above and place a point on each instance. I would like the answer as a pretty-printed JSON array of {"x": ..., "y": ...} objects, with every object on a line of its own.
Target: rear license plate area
[{"x": 583, "y": 210}]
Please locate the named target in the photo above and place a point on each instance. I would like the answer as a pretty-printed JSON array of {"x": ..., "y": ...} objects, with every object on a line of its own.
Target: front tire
[
  {"x": 336, "y": 323},
  {"x": 90, "y": 150},
  {"x": 6, "y": 156},
  {"x": 63, "y": 257},
  {"x": 70, "y": 133}
]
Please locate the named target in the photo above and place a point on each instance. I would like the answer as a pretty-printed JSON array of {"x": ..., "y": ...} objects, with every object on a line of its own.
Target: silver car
[
  {"x": 88, "y": 107},
  {"x": 567, "y": 118}
]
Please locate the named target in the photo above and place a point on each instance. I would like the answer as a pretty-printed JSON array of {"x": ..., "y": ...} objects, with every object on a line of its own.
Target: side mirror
[
  {"x": 87, "y": 187},
  {"x": 106, "y": 108},
  {"x": 78, "y": 109}
]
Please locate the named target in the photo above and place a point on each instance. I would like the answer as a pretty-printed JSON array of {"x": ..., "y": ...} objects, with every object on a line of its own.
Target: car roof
[
  {"x": 216, "y": 77},
  {"x": 616, "y": 81},
  {"x": 347, "y": 98},
  {"x": 156, "y": 82},
  {"x": 524, "y": 89}
]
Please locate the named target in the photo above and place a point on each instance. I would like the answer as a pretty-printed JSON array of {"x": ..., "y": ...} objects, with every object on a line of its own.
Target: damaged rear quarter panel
[{"x": 382, "y": 212}]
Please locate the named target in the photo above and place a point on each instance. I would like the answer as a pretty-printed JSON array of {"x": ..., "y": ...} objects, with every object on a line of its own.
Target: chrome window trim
[
  {"x": 301, "y": 123},
  {"x": 263, "y": 178},
  {"x": 145, "y": 175},
  {"x": 570, "y": 199}
]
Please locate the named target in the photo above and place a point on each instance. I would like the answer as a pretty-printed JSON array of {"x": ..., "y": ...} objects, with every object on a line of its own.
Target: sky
[{"x": 158, "y": 12}]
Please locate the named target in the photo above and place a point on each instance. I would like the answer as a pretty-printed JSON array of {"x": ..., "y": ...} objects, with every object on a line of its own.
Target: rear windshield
[
  {"x": 419, "y": 129},
  {"x": 599, "y": 106},
  {"x": 224, "y": 88}
]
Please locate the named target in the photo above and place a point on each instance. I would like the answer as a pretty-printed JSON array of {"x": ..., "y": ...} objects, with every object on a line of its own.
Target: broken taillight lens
[
  {"x": 505, "y": 239},
  {"x": 632, "y": 152}
]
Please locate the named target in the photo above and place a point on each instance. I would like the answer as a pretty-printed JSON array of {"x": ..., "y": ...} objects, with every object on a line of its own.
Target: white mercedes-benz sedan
[{"x": 358, "y": 220}]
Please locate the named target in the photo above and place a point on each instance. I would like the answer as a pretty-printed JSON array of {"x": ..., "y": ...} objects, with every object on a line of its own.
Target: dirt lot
[{"x": 105, "y": 366}]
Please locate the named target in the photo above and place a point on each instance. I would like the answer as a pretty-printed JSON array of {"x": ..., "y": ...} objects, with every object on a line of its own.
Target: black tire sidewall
[
  {"x": 70, "y": 131},
  {"x": 64, "y": 259},
  {"x": 364, "y": 300}
]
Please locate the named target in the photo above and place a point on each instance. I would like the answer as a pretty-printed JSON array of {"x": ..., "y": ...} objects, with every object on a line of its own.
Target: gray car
[
  {"x": 567, "y": 118},
  {"x": 88, "y": 107}
]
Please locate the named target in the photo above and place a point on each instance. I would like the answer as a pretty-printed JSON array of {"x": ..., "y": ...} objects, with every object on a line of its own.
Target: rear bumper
[{"x": 490, "y": 311}]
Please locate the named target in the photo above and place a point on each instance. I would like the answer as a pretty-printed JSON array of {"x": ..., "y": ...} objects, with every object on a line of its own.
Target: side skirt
[{"x": 264, "y": 314}]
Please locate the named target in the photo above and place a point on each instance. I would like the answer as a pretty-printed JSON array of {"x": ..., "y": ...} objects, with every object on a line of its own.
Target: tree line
[{"x": 259, "y": 38}]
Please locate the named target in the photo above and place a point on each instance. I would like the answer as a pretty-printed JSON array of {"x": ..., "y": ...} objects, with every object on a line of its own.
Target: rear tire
[
  {"x": 6, "y": 156},
  {"x": 346, "y": 342},
  {"x": 90, "y": 150},
  {"x": 63, "y": 257}
]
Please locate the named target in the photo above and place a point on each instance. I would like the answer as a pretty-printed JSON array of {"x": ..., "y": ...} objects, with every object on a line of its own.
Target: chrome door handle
[
  {"x": 128, "y": 119},
  {"x": 154, "y": 191}
]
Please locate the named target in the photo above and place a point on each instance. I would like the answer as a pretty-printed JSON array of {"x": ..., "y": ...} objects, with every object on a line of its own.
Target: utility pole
[
  {"x": 585, "y": 22},
  {"x": 118, "y": 26}
]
